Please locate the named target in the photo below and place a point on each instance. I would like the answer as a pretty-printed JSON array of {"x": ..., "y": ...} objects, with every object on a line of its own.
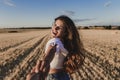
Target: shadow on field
[{"x": 95, "y": 67}]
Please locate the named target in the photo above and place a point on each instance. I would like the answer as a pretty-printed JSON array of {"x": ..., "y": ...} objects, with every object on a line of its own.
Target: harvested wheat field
[{"x": 20, "y": 51}]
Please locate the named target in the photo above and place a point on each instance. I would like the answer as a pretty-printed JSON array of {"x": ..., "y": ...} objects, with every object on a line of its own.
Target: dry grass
[{"x": 20, "y": 51}]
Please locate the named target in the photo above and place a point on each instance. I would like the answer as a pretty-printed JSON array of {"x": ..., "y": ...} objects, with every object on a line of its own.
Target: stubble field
[{"x": 20, "y": 51}]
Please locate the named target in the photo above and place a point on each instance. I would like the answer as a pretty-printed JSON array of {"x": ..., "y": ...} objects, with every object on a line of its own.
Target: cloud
[
  {"x": 68, "y": 13},
  {"x": 9, "y": 3},
  {"x": 81, "y": 20},
  {"x": 107, "y": 4}
]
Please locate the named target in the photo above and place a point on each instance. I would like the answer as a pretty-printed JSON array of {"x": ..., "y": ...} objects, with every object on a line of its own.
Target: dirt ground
[{"x": 20, "y": 51}]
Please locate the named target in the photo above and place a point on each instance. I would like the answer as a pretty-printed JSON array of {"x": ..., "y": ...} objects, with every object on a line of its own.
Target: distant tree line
[
  {"x": 109, "y": 27},
  {"x": 119, "y": 27},
  {"x": 35, "y": 28},
  {"x": 29, "y": 28}
]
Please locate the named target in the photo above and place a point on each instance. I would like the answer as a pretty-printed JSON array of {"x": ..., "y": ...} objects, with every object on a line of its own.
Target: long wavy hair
[{"x": 71, "y": 37}]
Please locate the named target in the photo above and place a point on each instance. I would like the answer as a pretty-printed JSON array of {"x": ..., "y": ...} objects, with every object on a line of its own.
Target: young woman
[{"x": 66, "y": 42}]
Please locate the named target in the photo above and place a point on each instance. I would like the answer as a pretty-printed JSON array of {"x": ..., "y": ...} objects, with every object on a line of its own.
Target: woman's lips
[{"x": 54, "y": 33}]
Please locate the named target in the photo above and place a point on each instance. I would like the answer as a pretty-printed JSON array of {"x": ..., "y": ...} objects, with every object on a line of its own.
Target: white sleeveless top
[{"x": 60, "y": 54}]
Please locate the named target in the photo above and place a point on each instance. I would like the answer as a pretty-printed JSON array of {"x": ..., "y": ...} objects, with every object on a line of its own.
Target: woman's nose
[{"x": 54, "y": 29}]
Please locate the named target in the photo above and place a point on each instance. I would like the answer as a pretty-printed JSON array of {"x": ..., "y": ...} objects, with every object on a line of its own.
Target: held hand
[{"x": 34, "y": 74}]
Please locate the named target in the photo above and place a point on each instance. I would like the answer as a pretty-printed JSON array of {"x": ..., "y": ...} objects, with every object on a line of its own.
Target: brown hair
[{"x": 71, "y": 38}]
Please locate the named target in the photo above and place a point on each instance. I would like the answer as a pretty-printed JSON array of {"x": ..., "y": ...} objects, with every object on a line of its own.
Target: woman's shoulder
[{"x": 54, "y": 41}]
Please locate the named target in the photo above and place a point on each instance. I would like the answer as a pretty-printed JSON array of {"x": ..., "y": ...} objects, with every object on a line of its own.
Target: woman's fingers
[
  {"x": 33, "y": 75},
  {"x": 33, "y": 70},
  {"x": 37, "y": 67}
]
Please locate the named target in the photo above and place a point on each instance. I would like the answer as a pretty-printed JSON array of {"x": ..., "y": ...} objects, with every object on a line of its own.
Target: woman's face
[{"x": 57, "y": 29}]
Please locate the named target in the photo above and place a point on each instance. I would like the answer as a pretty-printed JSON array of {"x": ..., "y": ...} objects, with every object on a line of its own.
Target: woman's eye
[{"x": 58, "y": 28}]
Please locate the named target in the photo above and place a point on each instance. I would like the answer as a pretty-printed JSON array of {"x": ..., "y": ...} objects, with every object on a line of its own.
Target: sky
[{"x": 41, "y": 13}]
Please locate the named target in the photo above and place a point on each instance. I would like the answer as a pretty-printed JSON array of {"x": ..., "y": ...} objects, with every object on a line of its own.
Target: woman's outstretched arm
[{"x": 41, "y": 65}]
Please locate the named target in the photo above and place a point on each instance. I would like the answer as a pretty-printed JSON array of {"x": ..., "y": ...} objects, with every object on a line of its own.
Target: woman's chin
[{"x": 53, "y": 36}]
